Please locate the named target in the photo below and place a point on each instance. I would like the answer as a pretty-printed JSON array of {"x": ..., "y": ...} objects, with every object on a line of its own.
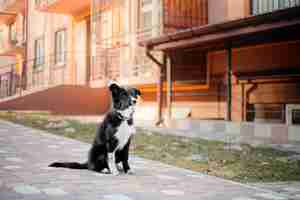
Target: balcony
[
  {"x": 63, "y": 6},
  {"x": 9, "y": 10},
  {"x": 12, "y": 6},
  {"x": 11, "y": 47},
  {"x": 265, "y": 6}
]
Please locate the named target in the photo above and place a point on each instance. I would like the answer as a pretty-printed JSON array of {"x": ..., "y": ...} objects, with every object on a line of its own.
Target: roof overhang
[
  {"x": 276, "y": 26},
  {"x": 6, "y": 17},
  {"x": 64, "y": 6}
]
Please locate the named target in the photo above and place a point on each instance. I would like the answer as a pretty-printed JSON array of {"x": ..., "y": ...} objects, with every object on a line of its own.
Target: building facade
[{"x": 176, "y": 52}]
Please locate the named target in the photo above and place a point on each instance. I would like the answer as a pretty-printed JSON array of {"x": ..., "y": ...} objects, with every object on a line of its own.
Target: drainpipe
[
  {"x": 229, "y": 84},
  {"x": 159, "y": 94},
  {"x": 169, "y": 88},
  {"x": 24, "y": 67}
]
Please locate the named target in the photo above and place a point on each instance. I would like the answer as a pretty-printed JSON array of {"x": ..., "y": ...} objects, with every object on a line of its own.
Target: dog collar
[{"x": 121, "y": 117}]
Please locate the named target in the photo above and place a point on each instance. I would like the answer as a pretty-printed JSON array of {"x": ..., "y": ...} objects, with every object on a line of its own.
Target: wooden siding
[
  {"x": 285, "y": 93},
  {"x": 261, "y": 57},
  {"x": 190, "y": 67}
]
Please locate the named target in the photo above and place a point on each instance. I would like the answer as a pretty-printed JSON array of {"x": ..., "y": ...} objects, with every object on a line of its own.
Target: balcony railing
[
  {"x": 13, "y": 6},
  {"x": 9, "y": 81},
  {"x": 180, "y": 15},
  {"x": 11, "y": 47},
  {"x": 265, "y": 6},
  {"x": 39, "y": 74},
  {"x": 62, "y": 6}
]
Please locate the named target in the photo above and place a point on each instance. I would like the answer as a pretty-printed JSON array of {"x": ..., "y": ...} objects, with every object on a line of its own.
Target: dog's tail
[{"x": 70, "y": 165}]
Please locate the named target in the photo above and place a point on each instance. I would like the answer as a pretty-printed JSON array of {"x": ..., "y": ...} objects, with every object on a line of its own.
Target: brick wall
[{"x": 70, "y": 100}]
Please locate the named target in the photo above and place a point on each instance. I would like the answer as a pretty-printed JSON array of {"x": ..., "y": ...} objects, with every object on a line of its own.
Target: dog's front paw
[
  {"x": 114, "y": 172},
  {"x": 119, "y": 168},
  {"x": 105, "y": 171},
  {"x": 130, "y": 172}
]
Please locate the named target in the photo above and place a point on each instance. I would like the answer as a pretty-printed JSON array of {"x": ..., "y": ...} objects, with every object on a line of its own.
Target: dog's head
[{"x": 124, "y": 100}]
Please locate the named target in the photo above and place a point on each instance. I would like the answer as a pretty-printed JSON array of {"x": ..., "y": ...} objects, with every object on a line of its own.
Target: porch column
[
  {"x": 169, "y": 87},
  {"x": 229, "y": 85},
  {"x": 159, "y": 94}
]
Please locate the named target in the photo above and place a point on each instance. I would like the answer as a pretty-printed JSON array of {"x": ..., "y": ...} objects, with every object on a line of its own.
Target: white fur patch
[
  {"x": 127, "y": 113},
  {"x": 112, "y": 164},
  {"x": 123, "y": 134}
]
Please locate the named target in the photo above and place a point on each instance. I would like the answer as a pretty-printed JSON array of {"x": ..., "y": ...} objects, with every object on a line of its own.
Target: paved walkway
[{"x": 25, "y": 154}]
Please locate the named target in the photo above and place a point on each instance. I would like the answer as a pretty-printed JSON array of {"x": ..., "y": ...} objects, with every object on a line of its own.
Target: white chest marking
[{"x": 123, "y": 134}]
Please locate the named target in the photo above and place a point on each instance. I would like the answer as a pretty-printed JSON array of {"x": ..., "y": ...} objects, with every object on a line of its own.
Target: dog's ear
[
  {"x": 113, "y": 87},
  {"x": 134, "y": 92},
  {"x": 137, "y": 92}
]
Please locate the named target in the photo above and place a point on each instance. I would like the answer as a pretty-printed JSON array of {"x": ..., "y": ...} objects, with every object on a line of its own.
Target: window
[
  {"x": 38, "y": 2},
  {"x": 264, "y": 6},
  {"x": 145, "y": 14},
  {"x": 1, "y": 39},
  {"x": 293, "y": 114},
  {"x": 13, "y": 32},
  {"x": 296, "y": 116},
  {"x": 106, "y": 25},
  {"x": 60, "y": 47},
  {"x": 39, "y": 53},
  {"x": 271, "y": 113}
]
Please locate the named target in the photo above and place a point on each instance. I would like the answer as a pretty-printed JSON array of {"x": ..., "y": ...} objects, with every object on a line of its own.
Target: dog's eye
[{"x": 134, "y": 101}]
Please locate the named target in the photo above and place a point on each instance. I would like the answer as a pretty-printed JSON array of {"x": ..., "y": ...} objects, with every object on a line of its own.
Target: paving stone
[
  {"x": 14, "y": 159},
  {"x": 12, "y": 167},
  {"x": 116, "y": 197},
  {"x": 166, "y": 177},
  {"x": 53, "y": 146},
  {"x": 173, "y": 192},
  {"x": 292, "y": 189},
  {"x": 195, "y": 176},
  {"x": 9, "y": 195},
  {"x": 243, "y": 198},
  {"x": 26, "y": 189},
  {"x": 271, "y": 196},
  {"x": 297, "y": 196},
  {"x": 55, "y": 191}
]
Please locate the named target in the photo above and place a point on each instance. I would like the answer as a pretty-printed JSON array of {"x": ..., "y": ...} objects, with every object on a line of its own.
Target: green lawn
[{"x": 248, "y": 164}]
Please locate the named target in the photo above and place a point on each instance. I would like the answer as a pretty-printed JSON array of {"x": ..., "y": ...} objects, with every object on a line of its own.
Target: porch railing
[
  {"x": 9, "y": 81},
  {"x": 36, "y": 74},
  {"x": 44, "y": 3}
]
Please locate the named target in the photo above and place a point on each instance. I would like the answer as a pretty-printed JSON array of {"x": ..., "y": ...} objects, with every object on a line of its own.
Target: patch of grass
[{"x": 247, "y": 165}]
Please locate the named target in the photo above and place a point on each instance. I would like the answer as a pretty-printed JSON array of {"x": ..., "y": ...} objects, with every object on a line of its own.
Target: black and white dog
[{"x": 111, "y": 144}]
